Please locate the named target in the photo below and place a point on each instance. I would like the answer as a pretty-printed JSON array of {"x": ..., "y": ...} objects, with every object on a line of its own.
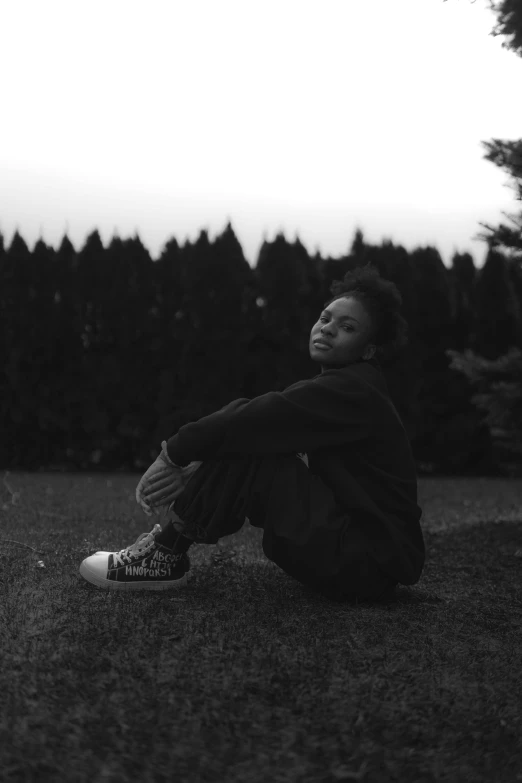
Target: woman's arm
[{"x": 328, "y": 410}]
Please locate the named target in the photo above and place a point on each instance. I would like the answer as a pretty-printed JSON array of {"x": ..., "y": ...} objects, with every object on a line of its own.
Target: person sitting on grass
[{"x": 324, "y": 467}]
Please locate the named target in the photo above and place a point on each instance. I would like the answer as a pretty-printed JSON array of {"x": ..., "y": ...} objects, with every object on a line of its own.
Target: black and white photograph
[{"x": 260, "y": 391}]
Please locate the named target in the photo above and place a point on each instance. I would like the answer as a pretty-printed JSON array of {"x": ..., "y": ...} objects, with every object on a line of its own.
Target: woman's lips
[{"x": 322, "y": 345}]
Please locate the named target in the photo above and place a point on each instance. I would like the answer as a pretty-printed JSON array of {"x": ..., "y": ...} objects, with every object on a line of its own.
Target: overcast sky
[{"x": 309, "y": 116}]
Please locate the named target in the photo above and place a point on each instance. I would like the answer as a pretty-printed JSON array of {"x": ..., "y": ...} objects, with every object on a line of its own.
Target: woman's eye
[
  {"x": 323, "y": 318},
  {"x": 348, "y": 328}
]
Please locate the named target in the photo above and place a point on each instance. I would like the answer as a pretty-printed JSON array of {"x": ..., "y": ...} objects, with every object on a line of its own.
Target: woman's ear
[{"x": 369, "y": 352}]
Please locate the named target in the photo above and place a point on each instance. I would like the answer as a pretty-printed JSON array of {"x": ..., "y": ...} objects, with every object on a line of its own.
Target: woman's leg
[
  {"x": 354, "y": 576},
  {"x": 304, "y": 531}
]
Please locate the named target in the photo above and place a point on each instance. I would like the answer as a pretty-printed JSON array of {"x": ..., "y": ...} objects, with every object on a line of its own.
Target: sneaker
[{"x": 145, "y": 565}]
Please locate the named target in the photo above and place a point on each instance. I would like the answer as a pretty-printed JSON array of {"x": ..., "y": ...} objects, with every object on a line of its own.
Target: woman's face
[{"x": 342, "y": 335}]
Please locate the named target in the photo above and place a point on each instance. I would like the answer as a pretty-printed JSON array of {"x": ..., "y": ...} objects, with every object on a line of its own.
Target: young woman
[{"x": 324, "y": 467}]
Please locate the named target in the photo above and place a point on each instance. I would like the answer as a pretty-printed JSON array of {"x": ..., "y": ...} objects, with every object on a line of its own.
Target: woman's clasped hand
[{"x": 162, "y": 484}]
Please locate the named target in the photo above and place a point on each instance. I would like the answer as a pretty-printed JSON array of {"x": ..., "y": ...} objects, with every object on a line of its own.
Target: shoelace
[{"x": 139, "y": 547}]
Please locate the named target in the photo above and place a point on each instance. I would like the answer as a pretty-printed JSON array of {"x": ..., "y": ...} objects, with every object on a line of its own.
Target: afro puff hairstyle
[{"x": 383, "y": 301}]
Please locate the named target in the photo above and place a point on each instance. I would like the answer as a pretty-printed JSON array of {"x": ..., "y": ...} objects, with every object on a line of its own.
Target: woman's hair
[{"x": 382, "y": 300}]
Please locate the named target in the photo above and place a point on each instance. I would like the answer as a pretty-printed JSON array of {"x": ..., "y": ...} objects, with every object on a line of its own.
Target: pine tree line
[{"x": 105, "y": 352}]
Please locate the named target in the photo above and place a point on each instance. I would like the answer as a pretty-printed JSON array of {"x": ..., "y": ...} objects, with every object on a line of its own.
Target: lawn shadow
[
  {"x": 485, "y": 558},
  {"x": 480, "y": 561}
]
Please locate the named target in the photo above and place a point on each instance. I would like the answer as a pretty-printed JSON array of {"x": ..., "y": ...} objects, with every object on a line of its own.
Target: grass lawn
[{"x": 246, "y": 676}]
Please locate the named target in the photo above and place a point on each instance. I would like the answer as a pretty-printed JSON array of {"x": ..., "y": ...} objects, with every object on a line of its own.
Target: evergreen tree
[
  {"x": 209, "y": 330},
  {"x": 70, "y": 324},
  {"x": 65, "y": 372},
  {"x": 497, "y": 310},
  {"x": 169, "y": 300},
  {"x": 196, "y": 324},
  {"x": 515, "y": 274},
  {"x": 229, "y": 261},
  {"x": 332, "y": 269},
  {"x": 140, "y": 295},
  {"x": 335, "y": 268},
  {"x": 30, "y": 363},
  {"x": 395, "y": 264},
  {"x": 284, "y": 275},
  {"x": 463, "y": 273},
  {"x": 359, "y": 248},
  {"x": 434, "y": 324},
  {"x": 42, "y": 345},
  {"x": 509, "y": 23},
  {"x": 60, "y": 376},
  {"x": 278, "y": 275},
  {"x": 167, "y": 277},
  {"x": 507, "y": 238},
  {"x": 235, "y": 298},
  {"x": 171, "y": 397},
  {"x": 90, "y": 284},
  {"x": 127, "y": 349},
  {"x": 87, "y": 401},
  {"x": 42, "y": 305},
  {"x": 119, "y": 319},
  {"x": 4, "y": 353},
  {"x": 198, "y": 291},
  {"x": 278, "y": 281},
  {"x": 507, "y": 154},
  {"x": 498, "y": 395},
  {"x": 498, "y": 287},
  {"x": 434, "y": 315},
  {"x": 18, "y": 292}
]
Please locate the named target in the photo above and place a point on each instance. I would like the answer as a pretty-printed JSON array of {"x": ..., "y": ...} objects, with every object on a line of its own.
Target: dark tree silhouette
[
  {"x": 498, "y": 325},
  {"x": 18, "y": 292},
  {"x": 105, "y": 353},
  {"x": 495, "y": 328},
  {"x": 509, "y": 23},
  {"x": 282, "y": 274},
  {"x": 434, "y": 314},
  {"x": 434, "y": 323},
  {"x": 497, "y": 309},
  {"x": 508, "y": 238},
  {"x": 507, "y": 154},
  {"x": 462, "y": 274},
  {"x": 208, "y": 329},
  {"x": 5, "y": 412},
  {"x": 57, "y": 416},
  {"x": 335, "y": 268},
  {"x": 359, "y": 248}
]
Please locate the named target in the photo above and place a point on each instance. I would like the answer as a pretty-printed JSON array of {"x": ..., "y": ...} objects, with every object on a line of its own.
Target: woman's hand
[
  {"x": 158, "y": 469},
  {"x": 162, "y": 489}
]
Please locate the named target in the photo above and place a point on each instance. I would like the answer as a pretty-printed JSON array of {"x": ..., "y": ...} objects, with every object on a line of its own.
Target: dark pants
[{"x": 304, "y": 531}]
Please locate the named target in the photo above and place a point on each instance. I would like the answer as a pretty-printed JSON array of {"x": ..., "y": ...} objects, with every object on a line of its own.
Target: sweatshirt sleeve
[{"x": 328, "y": 410}]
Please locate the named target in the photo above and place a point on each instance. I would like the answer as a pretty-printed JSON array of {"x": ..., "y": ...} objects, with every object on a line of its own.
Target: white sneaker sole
[{"x": 109, "y": 584}]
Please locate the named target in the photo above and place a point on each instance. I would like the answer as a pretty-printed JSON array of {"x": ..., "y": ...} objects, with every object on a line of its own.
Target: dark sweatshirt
[{"x": 356, "y": 443}]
